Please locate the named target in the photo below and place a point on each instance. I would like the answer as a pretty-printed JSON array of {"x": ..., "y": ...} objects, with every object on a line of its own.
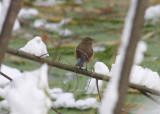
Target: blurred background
[{"x": 62, "y": 25}]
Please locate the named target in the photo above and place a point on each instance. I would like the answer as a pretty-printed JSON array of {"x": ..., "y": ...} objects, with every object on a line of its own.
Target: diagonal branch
[
  {"x": 7, "y": 26},
  {"x": 150, "y": 97},
  {"x": 57, "y": 64},
  {"x": 4, "y": 75},
  {"x": 75, "y": 69},
  {"x": 132, "y": 32}
]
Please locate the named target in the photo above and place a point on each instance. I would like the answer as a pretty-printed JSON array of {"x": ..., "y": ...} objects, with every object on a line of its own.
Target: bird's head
[{"x": 88, "y": 40}]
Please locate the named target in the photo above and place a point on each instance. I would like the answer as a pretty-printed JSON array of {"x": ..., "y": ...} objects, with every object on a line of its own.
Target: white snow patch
[
  {"x": 57, "y": 27},
  {"x": 145, "y": 77},
  {"x": 55, "y": 92},
  {"x": 64, "y": 21},
  {"x": 39, "y": 23},
  {"x": 47, "y": 2},
  {"x": 86, "y": 103},
  {"x": 36, "y": 47},
  {"x": 101, "y": 68},
  {"x": 29, "y": 93},
  {"x": 140, "y": 76},
  {"x": 140, "y": 50},
  {"x": 4, "y": 5},
  {"x": 1, "y": 6},
  {"x": 65, "y": 32},
  {"x": 98, "y": 48},
  {"x": 65, "y": 100},
  {"x": 115, "y": 66},
  {"x": 91, "y": 87},
  {"x": 11, "y": 72},
  {"x": 54, "y": 2},
  {"x": 3, "y": 10},
  {"x": 27, "y": 13},
  {"x": 16, "y": 25},
  {"x": 4, "y": 104},
  {"x": 152, "y": 14},
  {"x": 52, "y": 26}
]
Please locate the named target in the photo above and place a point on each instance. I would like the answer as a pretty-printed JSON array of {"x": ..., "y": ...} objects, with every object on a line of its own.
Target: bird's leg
[
  {"x": 98, "y": 89},
  {"x": 83, "y": 68}
]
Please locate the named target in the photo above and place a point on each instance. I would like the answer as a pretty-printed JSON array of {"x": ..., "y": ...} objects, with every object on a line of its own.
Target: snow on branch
[
  {"x": 76, "y": 70},
  {"x": 36, "y": 47},
  {"x": 7, "y": 23},
  {"x": 115, "y": 94}
]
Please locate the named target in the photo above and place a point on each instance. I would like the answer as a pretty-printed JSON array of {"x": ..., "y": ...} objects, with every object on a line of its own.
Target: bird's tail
[{"x": 80, "y": 63}]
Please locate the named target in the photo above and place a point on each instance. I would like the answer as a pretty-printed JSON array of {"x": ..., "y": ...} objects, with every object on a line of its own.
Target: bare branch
[
  {"x": 75, "y": 69},
  {"x": 98, "y": 89},
  {"x": 5, "y": 34},
  {"x": 55, "y": 110},
  {"x": 4, "y": 75}
]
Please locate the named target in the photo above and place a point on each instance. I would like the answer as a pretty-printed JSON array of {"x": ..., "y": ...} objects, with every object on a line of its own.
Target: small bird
[{"x": 84, "y": 52}]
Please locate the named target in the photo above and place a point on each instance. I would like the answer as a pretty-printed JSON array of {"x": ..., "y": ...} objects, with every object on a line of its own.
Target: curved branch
[{"x": 75, "y": 69}]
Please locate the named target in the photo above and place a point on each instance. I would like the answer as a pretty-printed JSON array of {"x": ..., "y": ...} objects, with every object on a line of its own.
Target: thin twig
[
  {"x": 68, "y": 63},
  {"x": 148, "y": 35},
  {"x": 89, "y": 81},
  {"x": 98, "y": 89},
  {"x": 55, "y": 110},
  {"x": 4, "y": 75},
  {"x": 150, "y": 97}
]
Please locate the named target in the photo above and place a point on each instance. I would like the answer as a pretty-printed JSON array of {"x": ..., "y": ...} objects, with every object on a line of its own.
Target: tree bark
[
  {"x": 129, "y": 54},
  {"x": 5, "y": 34}
]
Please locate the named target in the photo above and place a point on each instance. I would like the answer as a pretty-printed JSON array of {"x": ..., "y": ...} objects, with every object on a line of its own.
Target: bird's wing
[{"x": 75, "y": 54}]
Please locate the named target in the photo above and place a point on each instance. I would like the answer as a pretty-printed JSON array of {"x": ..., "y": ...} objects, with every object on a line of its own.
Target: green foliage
[
  {"x": 1, "y": 99},
  {"x": 107, "y": 55}
]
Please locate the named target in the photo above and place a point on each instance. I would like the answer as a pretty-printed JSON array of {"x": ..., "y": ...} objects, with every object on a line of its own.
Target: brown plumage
[{"x": 84, "y": 52}]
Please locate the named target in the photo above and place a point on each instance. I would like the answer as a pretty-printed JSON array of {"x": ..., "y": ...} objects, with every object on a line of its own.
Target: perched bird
[{"x": 84, "y": 52}]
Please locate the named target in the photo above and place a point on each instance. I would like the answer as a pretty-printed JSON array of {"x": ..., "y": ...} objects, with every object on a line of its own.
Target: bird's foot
[
  {"x": 83, "y": 68},
  {"x": 86, "y": 69}
]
